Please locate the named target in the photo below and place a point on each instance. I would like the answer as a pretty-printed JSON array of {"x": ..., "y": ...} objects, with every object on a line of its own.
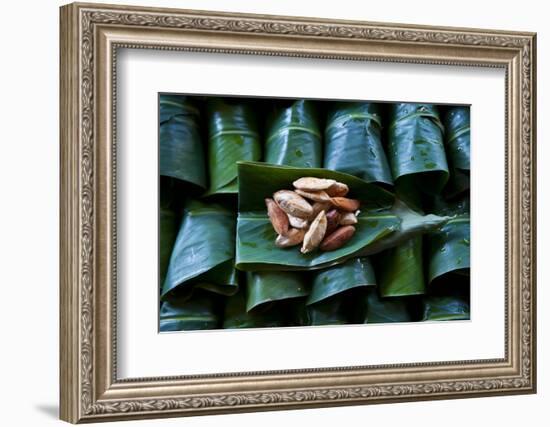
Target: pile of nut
[{"x": 316, "y": 214}]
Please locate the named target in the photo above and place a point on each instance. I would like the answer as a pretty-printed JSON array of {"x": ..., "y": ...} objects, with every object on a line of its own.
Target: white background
[
  {"x": 29, "y": 171},
  {"x": 141, "y": 347}
]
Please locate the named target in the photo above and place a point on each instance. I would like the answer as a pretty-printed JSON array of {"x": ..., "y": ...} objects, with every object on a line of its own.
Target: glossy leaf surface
[
  {"x": 353, "y": 142},
  {"x": 294, "y": 137},
  {"x": 232, "y": 136},
  {"x": 181, "y": 148}
]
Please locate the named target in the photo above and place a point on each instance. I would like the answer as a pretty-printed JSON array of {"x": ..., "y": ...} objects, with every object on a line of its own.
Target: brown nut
[
  {"x": 333, "y": 219},
  {"x": 277, "y": 216},
  {"x": 315, "y": 234},
  {"x": 345, "y": 204},
  {"x": 337, "y": 239},
  {"x": 348, "y": 218},
  {"x": 338, "y": 189},
  {"x": 309, "y": 183},
  {"x": 316, "y": 196},
  {"x": 318, "y": 207},
  {"x": 293, "y": 237},
  {"x": 296, "y": 222},
  {"x": 293, "y": 204}
]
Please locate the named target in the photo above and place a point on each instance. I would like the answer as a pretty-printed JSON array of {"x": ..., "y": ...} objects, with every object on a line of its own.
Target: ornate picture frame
[{"x": 90, "y": 37}]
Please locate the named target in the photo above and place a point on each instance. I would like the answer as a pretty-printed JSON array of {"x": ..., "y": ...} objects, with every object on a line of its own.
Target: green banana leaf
[
  {"x": 446, "y": 308},
  {"x": 333, "y": 311},
  {"x": 457, "y": 143},
  {"x": 402, "y": 270},
  {"x": 268, "y": 287},
  {"x": 232, "y": 136},
  {"x": 386, "y": 310},
  {"x": 256, "y": 249},
  {"x": 182, "y": 314},
  {"x": 353, "y": 142},
  {"x": 181, "y": 150},
  {"x": 293, "y": 136},
  {"x": 412, "y": 224},
  {"x": 237, "y": 317},
  {"x": 416, "y": 151},
  {"x": 204, "y": 251},
  {"x": 354, "y": 273},
  {"x": 169, "y": 218},
  {"x": 449, "y": 248}
]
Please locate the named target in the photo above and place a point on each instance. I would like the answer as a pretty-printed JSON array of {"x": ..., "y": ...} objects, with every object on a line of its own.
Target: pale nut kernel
[
  {"x": 296, "y": 222},
  {"x": 345, "y": 204},
  {"x": 348, "y": 218},
  {"x": 309, "y": 183},
  {"x": 316, "y": 196},
  {"x": 338, "y": 189},
  {"x": 338, "y": 238},
  {"x": 293, "y": 204},
  {"x": 315, "y": 234},
  {"x": 293, "y": 237},
  {"x": 279, "y": 219}
]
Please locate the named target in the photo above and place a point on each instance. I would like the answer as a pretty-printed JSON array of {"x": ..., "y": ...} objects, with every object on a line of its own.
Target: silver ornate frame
[{"x": 90, "y": 36}]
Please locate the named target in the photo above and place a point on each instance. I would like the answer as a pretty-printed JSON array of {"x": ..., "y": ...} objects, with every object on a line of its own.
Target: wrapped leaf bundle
[
  {"x": 353, "y": 142},
  {"x": 457, "y": 143},
  {"x": 332, "y": 297},
  {"x": 169, "y": 218},
  {"x": 416, "y": 152},
  {"x": 294, "y": 137},
  {"x": 232, "y": 136},
  {"x": 181, "y": 148},
  {"x": 183, "y": 314},
  {"x": 203, "y": 254},
  {"x": 402, "y": 269},
  {"x": 266, "y": 288},
  {"x": 236, "y": 315},
  {"x": 386, "y": 310}
]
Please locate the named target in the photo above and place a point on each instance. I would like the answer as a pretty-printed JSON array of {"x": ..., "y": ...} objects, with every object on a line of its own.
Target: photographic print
[{"x": 309, "y": 212}]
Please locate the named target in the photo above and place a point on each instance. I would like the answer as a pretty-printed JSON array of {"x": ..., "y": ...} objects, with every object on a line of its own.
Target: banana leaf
[
  {"x": 353, "y": 142},
  {"x": 266, "y": 288},
  {"x": 293, "y": 136},
  {"x": 232, "y": 136},
  {"x": 169, "y": 217},
  {"x": 446, "y": 308},
  {"x": 181, "y": 150},
  {"x": 416, "y": 151},
  {"x": 457, "y": 143},
  {"x": 402, "y": 270},
  {"x": 334, "y": 311},
  {"x": 354, "y": 273},
  {"x": 236, "y": 316},
  {"x": 255, "y": 235},
  {"x": 449, "y": 248},
  {"x": 182, "y": 314},
  {"x": 204, "y": 251},
  {"x": 386, "y": 310},
  {"x": 412, "y": 224}
]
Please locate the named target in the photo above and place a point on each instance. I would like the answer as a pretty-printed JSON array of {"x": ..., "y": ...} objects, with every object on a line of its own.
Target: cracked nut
[
  {"x": 338, "y": 238},
  {"x": 298, "y": 222},
  {"x": 345, "y": 204},
  {"x": 293, "y": 204},
  {"x": 333, "y": 220},
  {"x": 294, "y": 237},
  {"x": 315, "y": 234},
  {"x": 348, "y": 218},
  {"x": 277, "y": 216},
  {"x": 316, "y": 196},
  {"x": 338, "y": 189},
  {"x": 309, "y": 183}
]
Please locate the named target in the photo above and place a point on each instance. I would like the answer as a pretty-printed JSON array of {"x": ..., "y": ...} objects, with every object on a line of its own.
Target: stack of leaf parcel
[{"x": 406, "y": 165}]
